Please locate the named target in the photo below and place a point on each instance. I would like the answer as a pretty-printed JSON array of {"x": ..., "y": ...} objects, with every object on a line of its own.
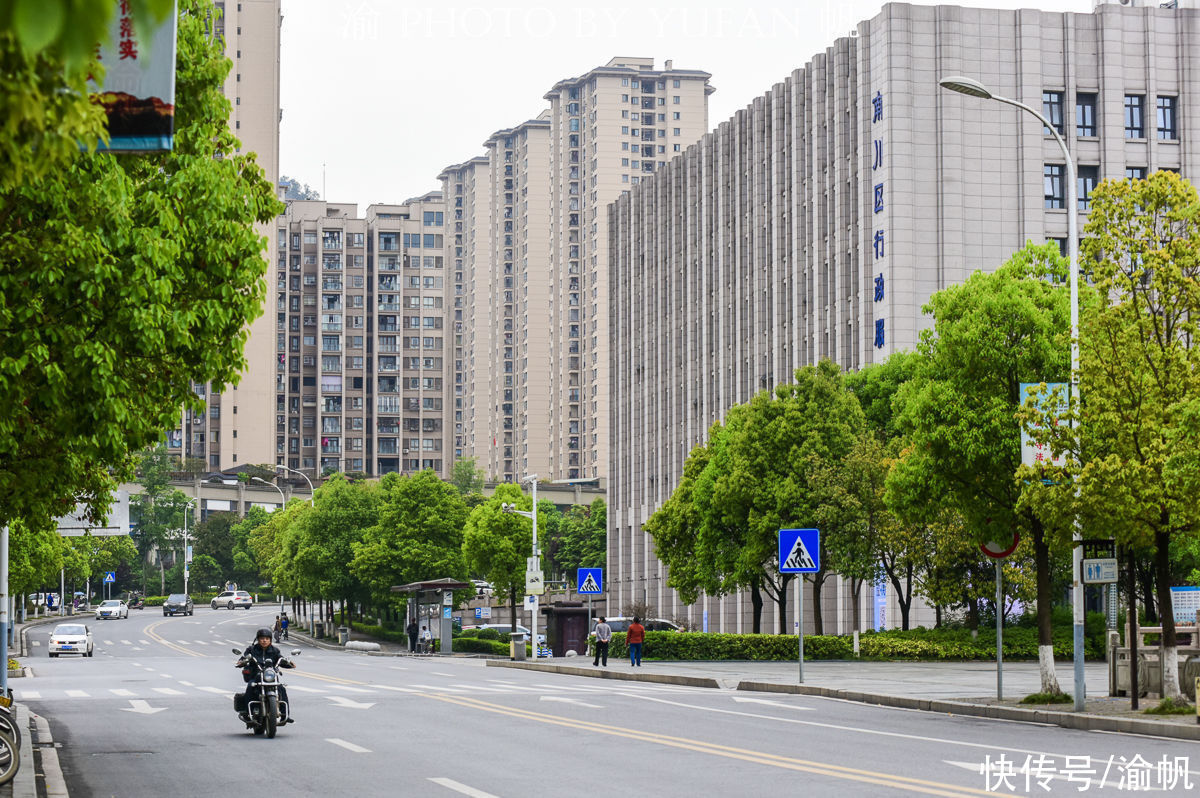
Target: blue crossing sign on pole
[
  {"x": 110, "y": 576},
  {"x": 590, "y": 581},
  {"x": 799, "y": 551}
]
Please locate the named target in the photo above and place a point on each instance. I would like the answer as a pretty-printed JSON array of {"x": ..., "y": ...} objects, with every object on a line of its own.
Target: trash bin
[
  {"x": 318, "y": 629},
  {"x": 343, "y": 635},
  {"x": 516, "y": 646}
]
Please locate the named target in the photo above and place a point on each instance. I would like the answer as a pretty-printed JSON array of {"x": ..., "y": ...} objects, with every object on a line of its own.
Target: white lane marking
[
  {"x": 349, "y": 689},
  {"x": 304, "y": 689},
  {"x": 165, "y": 675},
  {"x": 358, "y": 749},
  {"x": 138, "y": 648},
  {"x": 37, "y": 642},
  {"x": 349, "y": 703},
  {"x": 144, "y": 643},
  {"x": 565, "y": 700},
  {"x": 122, "y": 693},
  {"x": 186, "y": 684},
  {"x": 108, "y": 642},
  {"x": 30, "y": 694},
  {"x": 439, "y": 673},
  {"x": 740, "y": 699},
  {"x": 167, "y": 690},
  {"x": 202, "y": 642},
  {"x": 524, "y": 689},
  {"x": 439, "y": 689},
  {"x": 397, "y": 689},
  {"x": 481, "y": 689},
  {"x": 216, "y": 690},
  {"x": 136, "y": 664},
  {"x": 77, "y": 694},
  {"x": 141, "y": 707},
  {"x": 126, "y": 643},
  {"x": 397, "y": 668},
  {"x": 451, "y": 784}
]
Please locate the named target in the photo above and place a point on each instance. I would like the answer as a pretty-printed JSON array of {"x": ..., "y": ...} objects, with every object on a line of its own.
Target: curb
[
  {"x": 571, "y": 670},
  {"x": 25, "y": 627},
  {"x": 1069, "y": 720}
]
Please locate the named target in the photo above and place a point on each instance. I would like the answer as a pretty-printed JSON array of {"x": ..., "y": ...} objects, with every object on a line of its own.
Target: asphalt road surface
[{"x": 151, "y": 714}]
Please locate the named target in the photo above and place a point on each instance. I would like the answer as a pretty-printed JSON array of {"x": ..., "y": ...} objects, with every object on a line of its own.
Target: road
[{"x": 151, "y": 714}]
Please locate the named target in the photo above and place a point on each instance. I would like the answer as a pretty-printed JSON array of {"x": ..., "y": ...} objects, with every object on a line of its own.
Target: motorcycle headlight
[{"x": 269, "y": 675}]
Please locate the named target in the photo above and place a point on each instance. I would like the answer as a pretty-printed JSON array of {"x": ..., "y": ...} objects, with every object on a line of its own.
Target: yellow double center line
[
  {"x": 150, "y": 633},
  {"x": 758, "y": 757}
]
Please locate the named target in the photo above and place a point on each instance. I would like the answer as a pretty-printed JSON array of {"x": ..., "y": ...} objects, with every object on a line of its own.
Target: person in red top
[{"x": 634, "y": 638}]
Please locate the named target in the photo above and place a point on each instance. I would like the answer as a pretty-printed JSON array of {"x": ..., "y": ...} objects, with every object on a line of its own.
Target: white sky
[{"x": 386, "y": 93}]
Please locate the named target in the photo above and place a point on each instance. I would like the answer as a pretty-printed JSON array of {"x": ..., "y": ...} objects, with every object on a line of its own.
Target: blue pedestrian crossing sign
[
  {"x": 590, "y": 581},
  {"x": 110, "y": 576},
  {"x": 799, "y": 551}
]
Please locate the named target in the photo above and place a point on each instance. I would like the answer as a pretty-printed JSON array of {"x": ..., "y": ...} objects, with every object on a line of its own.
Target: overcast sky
[{"x": 383, "y": 94}]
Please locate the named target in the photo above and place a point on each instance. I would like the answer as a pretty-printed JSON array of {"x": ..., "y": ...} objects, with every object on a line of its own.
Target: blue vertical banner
[{"x": 880, "y": 613}]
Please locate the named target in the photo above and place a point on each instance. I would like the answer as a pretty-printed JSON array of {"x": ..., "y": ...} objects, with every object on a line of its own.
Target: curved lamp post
[
  {"x": 311, "y": 492},
  {"x": 973, "y": 88}
]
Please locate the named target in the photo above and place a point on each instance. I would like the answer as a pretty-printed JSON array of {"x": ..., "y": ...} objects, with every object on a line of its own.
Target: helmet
[{"x": 263, "y": 632}]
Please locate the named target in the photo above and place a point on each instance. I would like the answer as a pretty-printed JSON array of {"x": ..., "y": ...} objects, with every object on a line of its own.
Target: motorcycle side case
[{"x": 239, "y": 702}]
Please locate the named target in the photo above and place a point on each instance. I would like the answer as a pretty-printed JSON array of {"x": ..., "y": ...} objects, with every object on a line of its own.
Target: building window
[
  {"x": 675, "y": 84},
  {"x": 1052, "y": 109},
  {"x": 1166, "y": 118},
  {"x": 1053, "y": 178},
  {"x": 675, "y": 115},
  {"x": 1088, "y": 177},
  {"x": 675, "y": 131},
  {"x": 1135, "y": 123},
  {"x": 1085, "y": 114},
  {"x": 1135, "y": 173},
  {"x": 675, "y": 100},
  {"x": 675, "y": 147}
]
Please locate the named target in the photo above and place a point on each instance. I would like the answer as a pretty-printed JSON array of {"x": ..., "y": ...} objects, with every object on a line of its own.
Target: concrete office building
[
  {"x": 235, "y": 427},
  {"x": 360, "y": 351},
  {"x": 817, "y": 221},
  {"x": 539, "y": 303}
]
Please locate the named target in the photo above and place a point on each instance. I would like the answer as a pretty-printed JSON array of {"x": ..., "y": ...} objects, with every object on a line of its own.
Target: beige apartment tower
[
  {"x": 360, "y": 353},
  {"x": 534, "y": 313},
  {"x": 235, "y": 427}
]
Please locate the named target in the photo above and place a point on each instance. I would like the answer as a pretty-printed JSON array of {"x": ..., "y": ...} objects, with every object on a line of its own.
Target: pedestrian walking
[
  {"x": 426, "y": 640},
  {"x": 283, "y": 626},
  {"x": 634, "y": 638},
  {"x": 277, "y": 629},
  {"x": 412, "y": 629},
  {"x": 603, "y": 636}
]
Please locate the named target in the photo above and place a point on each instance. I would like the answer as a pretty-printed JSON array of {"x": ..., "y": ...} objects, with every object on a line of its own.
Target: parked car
[
  {"x": 621, "y": 624},
  {"x": 71, "y": 638},
  {"x": 178, "y": 603},
  {"x": 112, "y": 609},
  {"x": 506, "y": 628},
  {"x": 231, "y": 599}
]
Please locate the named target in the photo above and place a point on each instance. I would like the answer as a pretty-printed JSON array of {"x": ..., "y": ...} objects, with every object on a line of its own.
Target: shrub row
[
  {"x": 919, "y": 644},
  {"x": 475, "y": 645}
]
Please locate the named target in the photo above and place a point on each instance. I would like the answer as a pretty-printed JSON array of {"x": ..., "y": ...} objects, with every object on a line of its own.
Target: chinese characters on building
[
  {"x": 880, "y": 233},
  {"x": 127, "y": 46}
]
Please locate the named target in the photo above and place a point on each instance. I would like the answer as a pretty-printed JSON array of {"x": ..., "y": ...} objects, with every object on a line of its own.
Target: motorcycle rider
[{"x": 264, "y": 652}]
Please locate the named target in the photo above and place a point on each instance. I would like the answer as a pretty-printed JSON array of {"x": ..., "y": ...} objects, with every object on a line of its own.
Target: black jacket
[{"x": 266, "y": 656}]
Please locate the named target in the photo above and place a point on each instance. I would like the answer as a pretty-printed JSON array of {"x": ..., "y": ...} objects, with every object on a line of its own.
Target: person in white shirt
[{"x": 603, "y": 636}]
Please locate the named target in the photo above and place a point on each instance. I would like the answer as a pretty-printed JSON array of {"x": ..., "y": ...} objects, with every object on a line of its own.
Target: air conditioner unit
[{"x": 406, "y": 451}]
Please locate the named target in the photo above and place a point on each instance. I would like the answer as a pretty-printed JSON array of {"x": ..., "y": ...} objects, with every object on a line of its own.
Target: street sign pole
[
  {"x": 800, "y": 624},
  {"x": 999, "y": 633},
  {"x": 800, "y": 553}
]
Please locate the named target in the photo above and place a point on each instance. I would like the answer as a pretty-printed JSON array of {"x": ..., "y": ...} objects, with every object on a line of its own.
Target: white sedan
[
  {"x": 71, "y": 638},
  {"x": 113, "y": 608}
]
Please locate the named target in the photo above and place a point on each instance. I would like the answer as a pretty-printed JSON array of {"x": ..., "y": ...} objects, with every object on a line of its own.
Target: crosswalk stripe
[
  {"x": 396, "y": 689},
  {"x": 349, "y": 689},
  {"x": 77, "y": 694},
  {"x": 37, "y": 642},
  {"x": 202, "y": 642},
  {"x": 126, "y": 643},
  {"x": 216, "y": 690},
  {"x": 30, "y": 694},
  {"x": 481, "y": 688},
  {"x": 442, "y": 689},
  {"x": 144, "y": 642},
  {"x": 304, "y": 689},
  {"x": 122, "y": 693},
  {"x": 108, "y": 642},
  {"x": 167, "y": 690}
]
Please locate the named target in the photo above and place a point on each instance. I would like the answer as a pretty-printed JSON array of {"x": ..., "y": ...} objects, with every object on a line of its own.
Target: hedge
[
  {"x": 914, "y": 644},
  {"x": 379, "y": 632},
  {"x": 475, "y": 645}
]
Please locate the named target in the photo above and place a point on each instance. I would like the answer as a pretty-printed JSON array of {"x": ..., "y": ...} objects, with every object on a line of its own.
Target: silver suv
[{"x": 232, "y": 599}]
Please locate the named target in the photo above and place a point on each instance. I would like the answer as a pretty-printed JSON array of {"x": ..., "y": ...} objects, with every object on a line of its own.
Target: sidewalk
[{"x": 957, "y": 688}]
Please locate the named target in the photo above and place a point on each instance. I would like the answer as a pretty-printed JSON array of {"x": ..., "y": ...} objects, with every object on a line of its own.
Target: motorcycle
[
  {"x": 137, "y": 603},
  {"x": 267, "y": 710}
]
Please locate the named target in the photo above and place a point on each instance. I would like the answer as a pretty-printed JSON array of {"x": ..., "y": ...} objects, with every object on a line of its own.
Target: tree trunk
[
  {"x": 781, "y": 601},
  {"x": 1045, "y": 621},
  {"x": 855, "y": 590},
  {"x": 973, "y": 614},
  {"x": 1168, "y": 646},
  {"x": 756, "y": 602},
  {"x": 1147, "y": 586},
  {"x": 937, "y": 616},
  {"x": 818, "y": 583},
  {"x": 903, "y": 592}
]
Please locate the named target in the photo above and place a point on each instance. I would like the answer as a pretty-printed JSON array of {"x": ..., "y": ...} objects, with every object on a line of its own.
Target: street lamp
[
  {"x": 186, "y": 559},
  {"x": 535, "y": 561},
  {"x": 974, "y": 88},
  {"x": 311, "y": 491},
  {"x": 282, "y": 498}
]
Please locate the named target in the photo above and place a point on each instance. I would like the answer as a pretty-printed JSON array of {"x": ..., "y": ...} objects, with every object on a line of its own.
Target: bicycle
[{"x": 10, "y": 741}]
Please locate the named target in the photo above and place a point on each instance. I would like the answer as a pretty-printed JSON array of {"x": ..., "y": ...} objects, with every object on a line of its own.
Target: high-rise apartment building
[
  {"x": 816, "y": 223},
  {"x": 360, "y": 348},
  {"x": 535, "y": 314},
  {"x": 235, "y": 427}
]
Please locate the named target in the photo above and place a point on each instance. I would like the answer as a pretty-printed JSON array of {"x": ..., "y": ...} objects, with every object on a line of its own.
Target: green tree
[
  {"x": 990, "y": 334},
  {"x": 762, "y": 476},
  {"x": 35, "y": 557},
  {"x": 467, "y": 476},
  {"x": 204, "y": 571},
  {"x": 69, "y": 29},
  {"x": 247, "y": 569},
  {"x": 419, "y": 535},
  {"x": 584, "y": 538},
  {"x": 156, "y": 512},
  {"x": 127, "y": 279},
  {"x": 1139, "y": 452},
  {"x": 496, "y": 544},
  {"x": 213, "y": 537},
  {"x": 324, "y": 539}
]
